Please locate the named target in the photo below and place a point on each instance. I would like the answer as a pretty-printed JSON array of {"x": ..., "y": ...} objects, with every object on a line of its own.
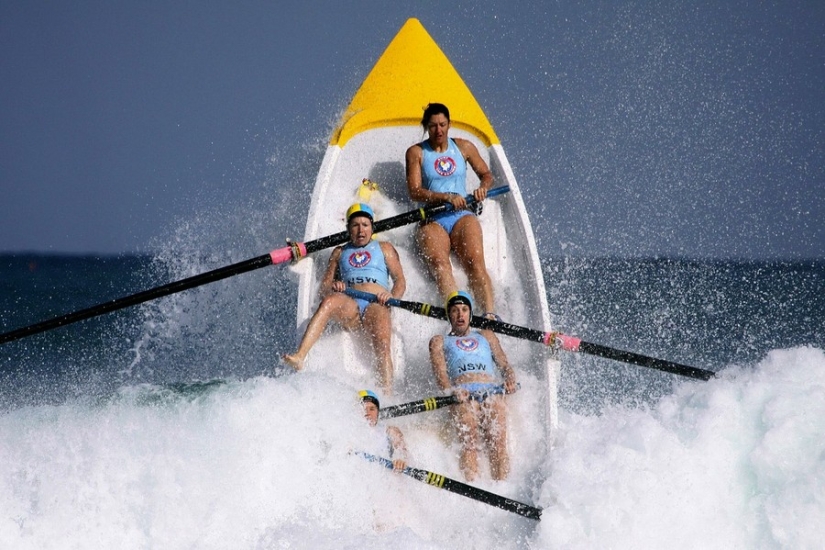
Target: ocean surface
[{"x": 171, "y": 424}]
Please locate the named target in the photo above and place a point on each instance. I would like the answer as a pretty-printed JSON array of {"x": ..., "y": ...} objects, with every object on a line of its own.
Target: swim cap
[
  {"x": 369, "y": 395},
  {"x": 458, "y": 297},
  {"x": 360, "y": 209}
]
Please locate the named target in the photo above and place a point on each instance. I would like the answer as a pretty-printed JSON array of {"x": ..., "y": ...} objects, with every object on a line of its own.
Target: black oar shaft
[
  {"x": 644, "y": 361},
  {"x": 442, "y": 482},
  {"x": 208, "y": 277},
  {"x": 139, "y": 298},
  {"x": 294, "y": 251},
  {"x": 413, "y": 407},
  {"x": 592, "y": 349},
  {"x": 433, "y": 403},
  {"x": 568, "y": 343}
]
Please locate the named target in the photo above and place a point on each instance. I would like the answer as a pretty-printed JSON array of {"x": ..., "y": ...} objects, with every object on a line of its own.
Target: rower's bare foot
[{"x": 293, "y": 361}]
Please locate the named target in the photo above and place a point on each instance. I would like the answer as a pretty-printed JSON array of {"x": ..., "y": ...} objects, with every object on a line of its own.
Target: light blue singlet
[
  {"x": 468, "y": 354},
  {"x": 444, "y": 173},
  {"x": 359, "y": 265}
]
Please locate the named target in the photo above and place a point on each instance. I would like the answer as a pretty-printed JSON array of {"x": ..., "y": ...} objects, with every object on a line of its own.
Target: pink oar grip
[
  {"x": 569, "y": 343},
  {"x": 285, "y": 254},
  {"x": 281, "y": 255}
]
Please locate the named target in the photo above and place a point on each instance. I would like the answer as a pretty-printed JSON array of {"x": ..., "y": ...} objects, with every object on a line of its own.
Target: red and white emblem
[
  {"x": 444, "y": 166},
  {"x": 466, "y": 344},
  {"x": 359, "y": 259}
]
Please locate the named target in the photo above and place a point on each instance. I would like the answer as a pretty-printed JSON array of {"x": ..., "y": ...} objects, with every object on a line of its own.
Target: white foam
[
  {"x": 250, "y": 464},
  {"x": 737, "y": 462}
]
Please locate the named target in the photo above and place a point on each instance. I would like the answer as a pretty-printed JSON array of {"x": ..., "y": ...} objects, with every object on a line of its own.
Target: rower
[
  {"x": 436, "y": 173},
  {"x": 363, "y": 264},
  {"x": 464, "y": 362},
  {"x": 391, "y": 442}
]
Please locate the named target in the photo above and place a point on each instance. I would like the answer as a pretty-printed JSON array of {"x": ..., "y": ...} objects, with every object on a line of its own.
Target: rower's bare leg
[
  {"x": 466, "y": 423},
  {"x": 468, "y": 242},
  {"x": 378, "y": 326},
  {"x": 495, "y": 436},
  {"x": 334, "y": 307},
  {"x": 434, "y": 244}
]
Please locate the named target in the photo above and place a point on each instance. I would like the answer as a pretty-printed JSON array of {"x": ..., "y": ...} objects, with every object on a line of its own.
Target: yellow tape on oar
[{"x": 435, "y": 479}]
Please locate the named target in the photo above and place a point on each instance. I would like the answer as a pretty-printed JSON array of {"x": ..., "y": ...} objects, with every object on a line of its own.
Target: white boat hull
[{"x": 510, "y": 253}]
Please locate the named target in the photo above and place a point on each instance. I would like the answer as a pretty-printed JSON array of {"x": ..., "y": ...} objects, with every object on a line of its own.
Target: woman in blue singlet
[
  {"x": 436, "y": 173},
  {"x": 465, "y": 360},
  {"x": 362, "y": 264}
]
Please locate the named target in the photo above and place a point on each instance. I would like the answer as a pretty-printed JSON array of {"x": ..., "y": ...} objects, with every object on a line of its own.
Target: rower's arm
[
  {"x": 399, "y": 282},
  {"x": 397, "y": 443},
  {"x": 329, "y": 275},
  {"x": 398, "y": 449},
  {"x": 439, "y": 362},
  {"x": 473, "y": 158},
  {"x": 501, "y": 361}
]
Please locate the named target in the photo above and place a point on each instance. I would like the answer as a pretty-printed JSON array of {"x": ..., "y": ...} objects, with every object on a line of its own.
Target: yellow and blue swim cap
[
  {"x": 458, "y": 297},
  {"x": 360, "y": 209},
  {"x": 369, "y": 395}
]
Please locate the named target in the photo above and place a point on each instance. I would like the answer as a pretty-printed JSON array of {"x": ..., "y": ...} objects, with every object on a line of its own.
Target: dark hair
[{"x": 434, "y": 109}]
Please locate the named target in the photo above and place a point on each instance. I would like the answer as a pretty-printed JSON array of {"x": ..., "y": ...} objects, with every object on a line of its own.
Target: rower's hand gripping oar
[
  {"x": 292, "y": 252},
  {"x": 552, "y": 339},
  {"x": 437, "y": 480},
  {"x": 436, "y": 402}
]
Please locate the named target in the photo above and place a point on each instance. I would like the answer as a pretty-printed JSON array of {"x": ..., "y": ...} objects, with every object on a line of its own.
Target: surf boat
[{"x": 364, "y": 162}]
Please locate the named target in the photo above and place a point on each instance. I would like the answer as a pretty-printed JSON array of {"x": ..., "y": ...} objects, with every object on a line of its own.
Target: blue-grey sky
[{"x": 635, "y": 128}]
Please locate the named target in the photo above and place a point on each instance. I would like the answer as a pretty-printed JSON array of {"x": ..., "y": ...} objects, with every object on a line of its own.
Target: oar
[
  {"x": 433, "y": 403},
  {"x": 294, "y": 251},
  {"x": 553, "y": 339},
  {"x": 437, "y": 480},
  {"x": 413, "y": 407}
]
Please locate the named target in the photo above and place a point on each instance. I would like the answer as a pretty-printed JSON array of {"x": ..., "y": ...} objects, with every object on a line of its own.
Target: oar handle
[
  {"x": 555, "y": 340},
  {"x": 442, "y": 482},
  {"x": 436, "y": 402}
]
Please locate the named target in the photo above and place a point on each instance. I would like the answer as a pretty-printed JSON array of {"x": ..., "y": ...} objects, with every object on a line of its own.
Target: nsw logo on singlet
[
  {"x": 444, "y": 166},
  {"x": 466, "y": 344},
  {"x": 359, "y": 259}
]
